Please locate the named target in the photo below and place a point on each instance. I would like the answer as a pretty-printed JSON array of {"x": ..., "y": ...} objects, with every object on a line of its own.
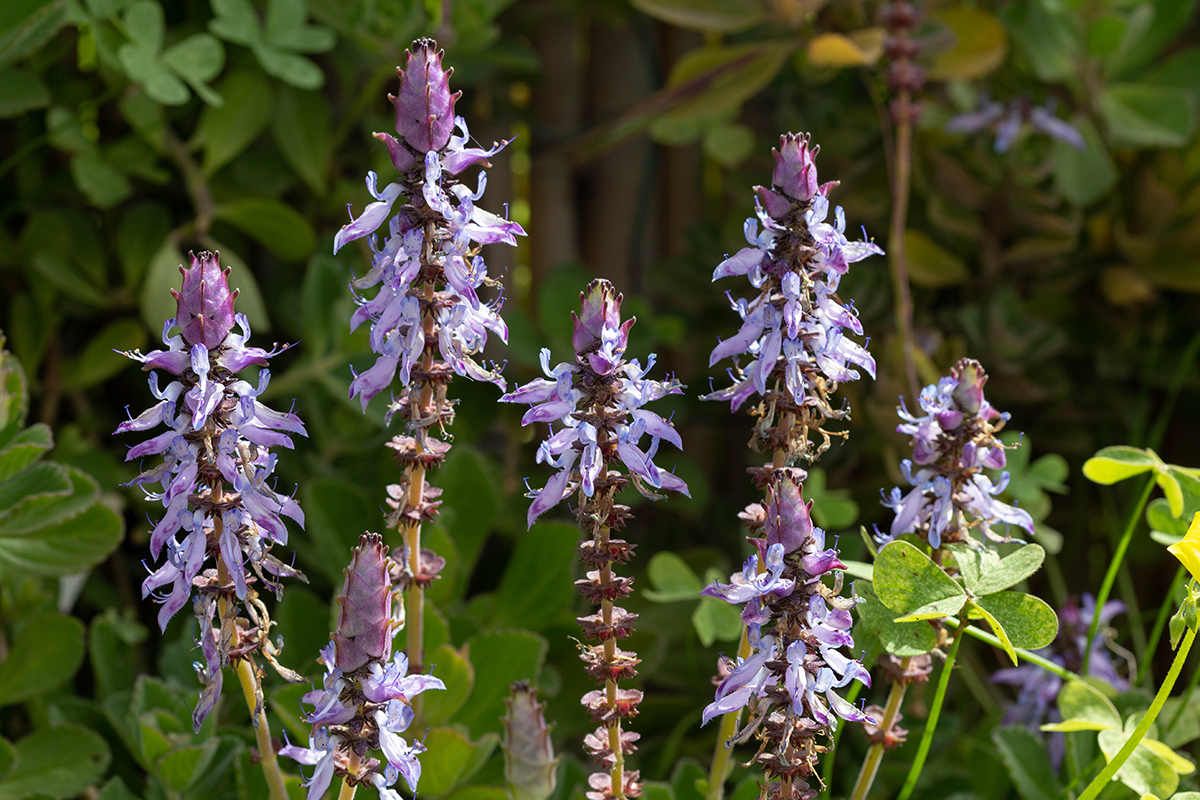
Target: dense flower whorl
[
  {"x": 954, "y": 441},
  {"x": 795, "y": 332},
  {"x": 365, "y": 701},
  {"x": 797, "y": 627},
  {"x": 598, "y": 400},
  {"x": 428, "y": 267}
]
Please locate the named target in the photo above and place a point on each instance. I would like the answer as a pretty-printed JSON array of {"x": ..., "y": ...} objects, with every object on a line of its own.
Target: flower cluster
[
  {"x": 433, "y": 240},
  {"x": 797, "y": 626},
  {"x": 953, "y": 443},
  {"x": 215, "y": 477},
  {"x": 794, "y": 333},
  {"x": 598, "y": 400},
  {"x": 365, "y": 701}
]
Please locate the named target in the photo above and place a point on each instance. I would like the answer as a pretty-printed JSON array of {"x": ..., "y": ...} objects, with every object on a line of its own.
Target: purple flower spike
[
  {"x": 205, "y": 303},
  {"x": 425, "y": 105},
  {"x": 365, "y": 626},
  {"x": 795, "y": 168}
]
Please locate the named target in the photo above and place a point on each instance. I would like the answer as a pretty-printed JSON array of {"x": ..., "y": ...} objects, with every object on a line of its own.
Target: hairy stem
[
  {"x": 935, "y": 712},
  {"x": 1101, "y": 781},
  {"x": 866, "y": 775},
  {"x": 262, "y": 730},
  {"x": 1113, "y": 566}
]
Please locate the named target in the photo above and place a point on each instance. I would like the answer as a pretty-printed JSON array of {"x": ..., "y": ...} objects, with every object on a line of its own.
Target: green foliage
[{"x": 58, "y": 762}]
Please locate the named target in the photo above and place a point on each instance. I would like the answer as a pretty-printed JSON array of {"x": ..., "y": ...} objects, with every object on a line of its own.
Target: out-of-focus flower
[
  {"x": 1008, "y": 119},
  {"x": 954, "y": 441},
  {"x": 529, "y": 760},
  {"x": 365, "y": 702},
  {"x": 428, "y": 267}
]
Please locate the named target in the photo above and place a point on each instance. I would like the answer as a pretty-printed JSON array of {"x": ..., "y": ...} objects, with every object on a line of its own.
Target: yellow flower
[{"x": 1188, "y": 550}]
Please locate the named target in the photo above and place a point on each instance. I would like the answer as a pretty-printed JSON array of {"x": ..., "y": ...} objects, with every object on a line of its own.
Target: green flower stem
[
  {"x": 347, "y": 792},
  {"x": 1100, "y": 782},
  {"x": 1160, "y": 623},
  {"x": 262, "y": 730},
  {"x": 729, "y": 724},
  {"x": 866, "y": 775},
  {"x": 1114, "y": 565},
  {"x": 1024, "y": 655},
  {"x": 935, "y": 712},
  {"x": 827, "y": 768}
]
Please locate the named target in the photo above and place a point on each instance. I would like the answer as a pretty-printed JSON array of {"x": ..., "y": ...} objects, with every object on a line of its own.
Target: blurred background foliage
[{"x": 132, "y": 131}]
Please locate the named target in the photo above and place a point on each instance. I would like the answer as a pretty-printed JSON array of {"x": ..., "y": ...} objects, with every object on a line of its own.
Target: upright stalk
[
  {"x": 248, "y": 677},
  {"x": 1113, "y": 566},
  {"x": 935, "y": 713},
  {"x": 866, "y": 775},
  {"x": 898, "y": 255},
  {"x": 347, "y": 792}
]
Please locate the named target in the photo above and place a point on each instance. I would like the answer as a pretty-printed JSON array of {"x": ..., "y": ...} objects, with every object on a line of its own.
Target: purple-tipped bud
[
  {"x": 600, "y": 320},
  {"x": 968, "y": 394},
  {"x": 788, "y": 519},
  {"x": 205, "y": 304},
  {"x": 364, "y": 626},
  {"x": 529, "y": 761},
  {"x": 425, "y": 105},
  {"x": 795, "y": 173}
]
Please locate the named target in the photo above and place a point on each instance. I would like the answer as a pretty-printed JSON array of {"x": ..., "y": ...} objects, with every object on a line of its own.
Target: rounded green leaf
[
  {"x": 1113, "y": 464},
  {"x": 985, "y": 573},
  {"x": 112, "y": 650},
  {"x": 278, "y": 226},
  {"x": 1142, "y": 115},
  {"x": 227, "y": 130},
  {"x": 72, "y": 546},
  {"x": 901, "y": 639},
  {"x": 59, "y": 762},
  {"x": 459, "y": 676},
  {"x": 452, "y": 759},
  {"x": 98, "y": 362},
  {"x": 536, "y": 587},
  {"x": 673, "y": 580},
  {"x": 1145, "y": 771},
  {"x": 498, "y": 659},
  {"x": 23, "y": 449},
  {"x": 726, "y": 16},
  {"x": 1028, "y": 621},
  {"x": 1084, "y": 176},
  {"x": 909, "y": 583},
  {"x": 715, "y": 620},
  {"x": 45, "y": 653},
  {"x": 1080, "y": 701}
]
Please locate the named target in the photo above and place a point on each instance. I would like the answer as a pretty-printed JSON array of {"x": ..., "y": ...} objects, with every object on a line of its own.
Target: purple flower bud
[
  {"x": 795, "y": 173},
  {"x": 425, "y": 105},
  {"x": 364, "y": 626},
  {"x": 529, "y": 760},
  {"x": 788, "y": 521},
  {"x": 969, "y": 391},
  {"x": 601, "y": 312},
  {"x": 205, "y": 304}
]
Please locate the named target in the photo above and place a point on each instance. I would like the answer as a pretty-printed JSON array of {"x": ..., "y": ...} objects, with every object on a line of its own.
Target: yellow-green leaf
[{"x": 980, "y": 47}]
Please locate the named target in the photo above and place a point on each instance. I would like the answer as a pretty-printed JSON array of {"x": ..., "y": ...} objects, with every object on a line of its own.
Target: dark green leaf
[
  {"x": 1180, "y": 71},
  {"x": 932, "y": 265},
  {"x": 726, "y": 16},
  {"x": 498, "y": 659},
  {"x": 458, "y": 759},
  {"x": 184, "y": 766},
  {"x": 8, "y": 758},
  {"x": 139, "y": 235},
  {"x": 469, "y": 488},
  {"x": 1144, "y": 42},
  {"x": 1047, "y": 35},
  {"x": 97, "y": 363},
  {"x": 26, "y": 26},
  {"x": 278, "y": 226},
  {"x": 1028, "y": 621},
  {"x": 715, "y": 620},
  {"x": 45, "y": 653},
  {"x": 21, "y": 91},
  {"x": 112, "y": 640},
  {"x": 301, "y": 126},
  {"x": 909, "y": 583},
  {"x": 116, "y": 789},
  {"x": 672, "y": 579},
  {"x": 739, "y": 72},
  {"x": 336, "y": 513},
  {"x": 536, "y": 588},
  {"x": 102, "y": 183},
  {"x": 459, "y": 676},
  {"x": 1084, "y": 176},
  {"x": 290, "y": 68},
  {"x": 50, "y": 505},
  {"x": 22, "y": 450},
  {"x": 59, "y": 762},
  {"x": 33, "y": 489},
  {"x": 226, "y": 131},
  {"x": 1029, "y": 766},
  {"x": 72, "y": 546},
  {"x": 1142, "y": 115}
]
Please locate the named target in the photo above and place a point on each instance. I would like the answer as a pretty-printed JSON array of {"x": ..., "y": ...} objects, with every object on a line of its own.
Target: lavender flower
[
  {"x": 953, "y": 442},
  {"x": 365, "y": 701},
  {"x": 1007, "y": 119},
  {"x": 433, "y": 239},
  {"x": 214, "y": 479},
  {"x": 788, "y": 680},
  {"x": 794, "y": 333},
  {"x": 598, "y": 399}
]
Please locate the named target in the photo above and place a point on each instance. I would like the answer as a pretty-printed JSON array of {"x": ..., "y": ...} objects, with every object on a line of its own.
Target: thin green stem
[
  {"x": 1113, "y": 566},
  {"x": 1023, "y": 655},
  {"x": 866, "y": 775},
  {"x": 1183, "y": 700},
  {"x": 262, "y": 731},
  {"x": 935, "y": 712},
  {"x": 1099, "y": 783},
  {"x": 1160, "y": 624}
]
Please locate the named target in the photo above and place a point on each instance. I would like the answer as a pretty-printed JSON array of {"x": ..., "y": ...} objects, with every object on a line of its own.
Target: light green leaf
[
  {"x": 226, "y": 131},
  {"x": 103, "y": 184},
  {"x": 278, "y": 226},
  {"x": 301, "y": 126},
  {"x": 985, "y": 573},
  {"x": 1141, "y": 115},
  {"x": 976, "y": 611},
  {"x": 1113, "y": 464},
  {"x": 536, "y": 589},
  {"x": 21, "y": 91},
  {"x": 141, "y": 65},
  {"x": 726, "y": 16},
  {"x": 1145, "y": 771},
  {"x": 286, "y": 28},
  {"x": 901, "y": 639},
  {"x": 1079, "y": 701},
  {"x": 459, "y": 676},
  {"x": 1177, "y": 762},
  {"x": 498, "y": 659},
  {"x": 72, "y": 546},
  {"x": 979, "y": 48},
  {"x": 1029, "y": 766},
  {"x": 58, "y": 762},
  {"x": 183, "y": 766},
  {"x": 931, "y": 265},
  {"x": 909, "y": 583},
  {"x": 715, "y": 620},
  {"x": 457, "y": 760},
  {"x": 144, "y": 23},
  {"x": 738, "y": 73},
  {"x": 197, "y": 59},
  {"x": 45, "y": 653},
  {"x": 728, "y": 144},
  {"x": 1171, "y": 489},
  {"x": 236, "y": 22},
  {"x": 673, "y": 580},
  {"x": 1027, "y": 620}
]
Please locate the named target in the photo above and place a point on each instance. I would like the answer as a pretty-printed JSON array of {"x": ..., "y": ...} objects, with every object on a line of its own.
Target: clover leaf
[
  {"x": 277, "y": 44},
  {"x": 165, "y": 75}
]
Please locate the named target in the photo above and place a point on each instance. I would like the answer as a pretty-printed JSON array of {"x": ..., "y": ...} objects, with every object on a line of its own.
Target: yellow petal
[{"x": 1188, "y": 550}]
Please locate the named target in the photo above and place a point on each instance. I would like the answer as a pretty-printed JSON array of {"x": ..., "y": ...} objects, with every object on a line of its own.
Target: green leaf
[
  {"x": 1142, "y": 115},
  {"x": 112, "y": 641},
  {"x": 458, "y": 674},
  {"x": 72, "y": 546},
  {"x": 457, "y": 760},
  {"x": 1084, "y": 176},
  {"x": 116, "y": 789},
  {"x": 278, "y": 226},
  {"x": 59, "y": 762},
  {"x": 33, "y": 489},
  {"x": 1145, "y": 771},
  {"x": 737, "y": 73},
  {"x": 728, "y": 144},
  {"x": 1080, "y": 701},
  {"x": 236, "y": 22},
  {"x": 226, "y": 131},
  {"x": 27, "y": 26},
  {"x": 1171, "y": 489},
  {"x": 287, "y": 30},
  {"x": 1047, "y": 35},
  {"x": 45, "y": 653},
  {"x": 183, "y": 766},
  {"x": 1184, "y": 727},
  {"x": 50, "y": 505},
  {"x": 335, "y": 514},
  {"x": 976, "y": 611},
  {"x": 197, "y": 59},
  {"x": 103, "y": 184},
  {"x": 979, "y": 48},
  {"x": 21, "y": 91},
  {"x": 985, "y": 573},
  {"x": 98, "y": 362},
  {"x": 1027, "y": 620},
  {"x": 832, "y": 509},
  {"x": 144, "y": 24},
  {"x": 715, "y": 620},
  {"x": 931, "y": 265},
  {"x": 726, "y": 16},
  {"x": 673, "y": 580},
  {"x": 1177, "y": 762},
  {"x": 140, "y": 234},
  {"x": 22, "y": 450},
  {"x": 1180, "y": 71},
  {"x": 52, "y": 243},
  {"x": 909, "y": 583},
  {"x": 141, "y": 65},
  {"x": 469, "y": 488},
  {"x": 290, "y": 68},
  {"x": 8, "y": 757},
  {"x": 536, "y": 589},
  {"x": 1113, "y": 464},
  {"x": 301, "y": 126},
  {"x": 1028, "y": 763},
  {"x": 498, "y": 659},
  {"x": 1144, "y": 42},
  {"x": 901, "y": 639}
]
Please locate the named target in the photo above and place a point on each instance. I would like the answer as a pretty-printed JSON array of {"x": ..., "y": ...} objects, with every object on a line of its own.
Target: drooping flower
[
  {"x": 954, "y": 441},
  {"x": 427, "y": 268},
  {"x": 793, "y": 347},
  {"x": 215, "y": 477},
  {"x": 1008, "y": 119},
  {"x": 365, "y": 701}
]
